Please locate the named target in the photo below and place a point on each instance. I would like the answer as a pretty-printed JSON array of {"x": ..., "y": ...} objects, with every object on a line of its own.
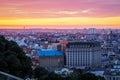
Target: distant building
[
  {"x": 50, "y": 58},
  {"x": 112, "y": 73},
  {"x": 83, "y": 54},
  {"x": 92, "y": 30}
]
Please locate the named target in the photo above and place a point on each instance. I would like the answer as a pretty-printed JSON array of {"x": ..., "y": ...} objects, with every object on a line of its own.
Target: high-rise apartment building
[{"x": 85, "y": 54}]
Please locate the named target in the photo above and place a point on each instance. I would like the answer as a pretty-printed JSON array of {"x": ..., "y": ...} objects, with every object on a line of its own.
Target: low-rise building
[
  {"x": 64, "y": 72},
  {"x": 50, "y": 58},
  {"x": 112, "y": 73}
]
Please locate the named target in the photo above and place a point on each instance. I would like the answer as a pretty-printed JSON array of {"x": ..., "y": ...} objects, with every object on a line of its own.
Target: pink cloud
[{"x": 60, "y": 8}]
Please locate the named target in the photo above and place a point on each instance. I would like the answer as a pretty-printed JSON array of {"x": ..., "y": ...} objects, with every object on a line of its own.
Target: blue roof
[{"x": 49, "y": 53}]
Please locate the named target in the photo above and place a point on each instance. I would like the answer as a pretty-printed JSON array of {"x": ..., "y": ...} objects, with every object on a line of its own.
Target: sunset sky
[{"x": 59, "y": 13}]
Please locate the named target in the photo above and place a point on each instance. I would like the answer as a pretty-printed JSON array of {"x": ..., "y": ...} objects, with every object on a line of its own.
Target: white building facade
[{"x": 85, "y": 54}]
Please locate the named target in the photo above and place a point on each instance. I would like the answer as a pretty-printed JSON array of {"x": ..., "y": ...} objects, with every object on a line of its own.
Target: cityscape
[
  {"x": 64, "y": 50},
  {"x": 59, "y": 40}
]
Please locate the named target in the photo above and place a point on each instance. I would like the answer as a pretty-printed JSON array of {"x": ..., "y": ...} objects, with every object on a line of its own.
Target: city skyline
[{"x": 59, "y": 14}]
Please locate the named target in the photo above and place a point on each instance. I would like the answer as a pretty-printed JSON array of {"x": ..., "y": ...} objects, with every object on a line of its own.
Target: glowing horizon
[{"x": 59, "y": 13}]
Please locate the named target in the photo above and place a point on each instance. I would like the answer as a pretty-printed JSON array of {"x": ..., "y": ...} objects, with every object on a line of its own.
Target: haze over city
[{"x": 59, "y": 14}]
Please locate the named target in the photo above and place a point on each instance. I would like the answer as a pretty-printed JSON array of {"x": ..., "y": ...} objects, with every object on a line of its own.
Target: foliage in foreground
[
  {"x": 13, "y": 59},
  {"x": 42, "y": 74}
]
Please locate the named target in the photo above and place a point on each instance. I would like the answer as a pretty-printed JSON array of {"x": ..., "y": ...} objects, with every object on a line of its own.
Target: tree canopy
[{"x": 13, "y": 59}]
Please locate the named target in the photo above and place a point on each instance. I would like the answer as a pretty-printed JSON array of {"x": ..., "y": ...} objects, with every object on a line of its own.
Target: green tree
[
  {"x": 13, "y": 59},
  {"x": 88, "y": 76},
  {"x": 75, "y": 75},
  {"x": 53, "y": 76},
  {"x": 40, "y": 73},
  {"x": 100, "y": 78}
]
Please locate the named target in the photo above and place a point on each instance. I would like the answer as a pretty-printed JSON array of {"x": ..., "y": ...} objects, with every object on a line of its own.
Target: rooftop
[
  {"x": 48, "y": 53},
  {"x": 88, "y": 43}
]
